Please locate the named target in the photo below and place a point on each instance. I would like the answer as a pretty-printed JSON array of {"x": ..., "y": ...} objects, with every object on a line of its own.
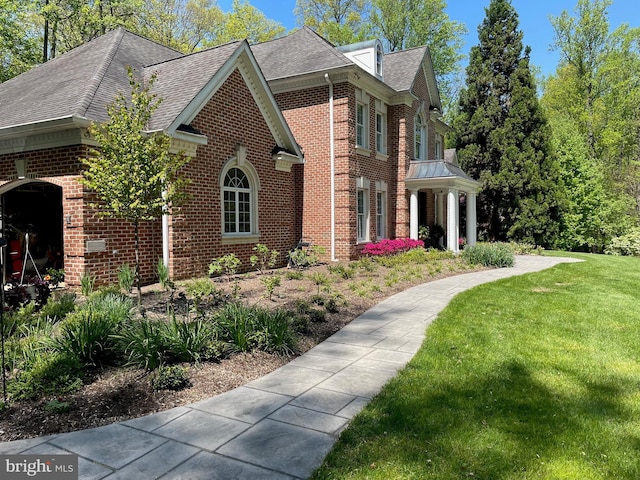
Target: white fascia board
[
  {"x": 45, "y": 126},
  {"x": 263, "y": 96},
  {"x": 200, "y": 100}
]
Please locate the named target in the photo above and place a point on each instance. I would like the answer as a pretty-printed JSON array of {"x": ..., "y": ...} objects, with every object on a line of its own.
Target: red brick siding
[{"x": 230, "y": 118}]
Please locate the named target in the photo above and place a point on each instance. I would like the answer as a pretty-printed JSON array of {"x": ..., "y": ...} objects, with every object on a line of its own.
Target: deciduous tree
[{"x": 133, "y": 174}]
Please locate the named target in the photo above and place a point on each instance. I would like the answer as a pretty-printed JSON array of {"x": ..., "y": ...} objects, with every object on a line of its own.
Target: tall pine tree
[{"x": 503, "y": 138}]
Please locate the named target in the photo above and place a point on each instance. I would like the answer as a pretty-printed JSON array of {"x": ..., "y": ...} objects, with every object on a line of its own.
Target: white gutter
[{"x": 332, "y": 154}]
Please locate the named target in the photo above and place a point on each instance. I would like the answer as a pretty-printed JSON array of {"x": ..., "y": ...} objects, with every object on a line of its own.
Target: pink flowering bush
[{"x": 391, "y": 247}]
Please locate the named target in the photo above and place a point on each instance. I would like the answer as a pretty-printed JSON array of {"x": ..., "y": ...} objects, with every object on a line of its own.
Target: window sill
[
  {"x": 382, "y": 156},
  {"x": 363, "y": 151},
  {"x": 231, "y": 239}
]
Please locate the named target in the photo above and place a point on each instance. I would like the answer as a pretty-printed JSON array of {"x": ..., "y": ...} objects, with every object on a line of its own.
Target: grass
[{"x": 533, "y": 377}]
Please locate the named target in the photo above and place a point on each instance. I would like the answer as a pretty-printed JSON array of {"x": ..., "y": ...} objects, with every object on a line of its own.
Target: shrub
[
  {"x": 273, "y": 331},
  {"x": 391, "y": 247},
  {"x": 270, "y": 283},
  {"x": 227, "y": 265},
  {"x": 126, "y": 278},
  {"x": 489, "y": 255},
  {"x": 520, "y": 248},
  {"x": 628, "y": 244},
  {"x": 264, "y": 257},
  {"x": 199, "y": 289},
  {"x": 170, "y": 378},
  {"x": 319, "y": 279},
  {"x": 56, "y": 406},
  {"x": 59, "y": 308},
  {"x": 52, "y": 374}
]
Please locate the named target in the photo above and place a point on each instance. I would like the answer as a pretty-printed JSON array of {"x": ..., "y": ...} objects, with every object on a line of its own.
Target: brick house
[
  {"x": 216, "y": 106},
  {"x": 373, "y": 139}
]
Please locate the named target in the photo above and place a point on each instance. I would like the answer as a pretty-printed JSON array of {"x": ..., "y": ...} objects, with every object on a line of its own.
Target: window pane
[{"x": 360, "y": 125}]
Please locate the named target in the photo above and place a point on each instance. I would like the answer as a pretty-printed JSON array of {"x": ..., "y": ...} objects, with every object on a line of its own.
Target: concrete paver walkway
[{"x": 282, "y": 425}]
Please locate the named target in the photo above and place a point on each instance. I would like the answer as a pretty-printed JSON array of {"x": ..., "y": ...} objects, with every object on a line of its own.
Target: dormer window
[{"x": 379, "y": 60}]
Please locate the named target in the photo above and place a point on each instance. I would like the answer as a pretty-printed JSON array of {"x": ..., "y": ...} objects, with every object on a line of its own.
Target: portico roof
[{"x": 438, "y": 174}]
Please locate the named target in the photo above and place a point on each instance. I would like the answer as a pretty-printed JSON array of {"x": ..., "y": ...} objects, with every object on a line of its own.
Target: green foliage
[
  {"x": 628, "y": 244},
  {"x": 200, "y": 289},
  {"x": 126, "y": 278},
  {"x": 342, "y": 22},
  {"x": 226, "y": 265},
  {"x": 87, "y": 283},
  {"x": 319, "y": 279},
  {"x": 173, "y": 377},
  {"x": 489, "y": 255},
  {"x": 57, "y": 406},
  {"x": 270, "y": 284},
  {"x": 189, "y": 341},
  {"x": 249, "y": 328},
  {"x": 246, "y": 21},
  {"x": 162, "y": 271},
  {"x": 89, "y": 333},
  {"x": 18, "y": 39},
  {"x": 341, "y": 270},
  {"x": 133, "y": 175},
  {"x": 409, "y": 23},
  {"x": 264, "y": 257},
  {"x": 54, "y": 276},
  {"x": 57, "y": 309},
  {"x": 503, "y": 138},
  {"x": 294, "y": 275},
  {"x": 51, "y": 373},
  {"x": 144, "y": 343}
]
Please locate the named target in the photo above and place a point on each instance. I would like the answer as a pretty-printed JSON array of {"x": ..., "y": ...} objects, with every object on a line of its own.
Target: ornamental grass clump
[
  {"x": 489, "y": 255},
  {"x": 391, "y": 247}
]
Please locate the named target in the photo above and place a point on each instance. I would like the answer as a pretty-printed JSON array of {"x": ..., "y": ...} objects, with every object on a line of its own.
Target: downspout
[
  {"x": 332, "y": 155},
  {"x": 165, "y": 234}
]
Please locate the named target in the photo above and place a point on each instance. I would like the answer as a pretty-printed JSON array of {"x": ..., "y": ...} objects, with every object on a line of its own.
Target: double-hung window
[
  {"x": 362, "y": 209},
  {"x": 381, "y": 128},
  {"x": 362, "y": 120},
  {"x": 381, "y": 210},
  {"x": 420, "y": 138}
]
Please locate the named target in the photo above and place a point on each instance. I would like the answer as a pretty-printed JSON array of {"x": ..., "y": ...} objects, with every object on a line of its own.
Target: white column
[
  {"x": 413, "y": 215},
  {"x": 453, "y": 219},
  {"x": 471, "y": 218},
  {"x": 440, "y": 220}
]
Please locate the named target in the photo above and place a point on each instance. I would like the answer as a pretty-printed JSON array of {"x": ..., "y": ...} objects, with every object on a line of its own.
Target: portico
[{"x": 448, "y": 182}]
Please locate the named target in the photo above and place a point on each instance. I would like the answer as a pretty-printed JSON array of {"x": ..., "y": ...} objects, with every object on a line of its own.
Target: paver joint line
[{"x": 264, "y": 427}]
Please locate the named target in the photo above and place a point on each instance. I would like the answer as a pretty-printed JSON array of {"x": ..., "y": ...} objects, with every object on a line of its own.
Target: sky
[{"x": 533, "y": 15}]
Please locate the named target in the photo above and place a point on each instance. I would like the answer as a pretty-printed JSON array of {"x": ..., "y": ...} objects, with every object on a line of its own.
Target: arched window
[
  {"x": 237, "y": 202},
  {"x": 420, "y": 138},
  {"x": 379, "y": 54}
]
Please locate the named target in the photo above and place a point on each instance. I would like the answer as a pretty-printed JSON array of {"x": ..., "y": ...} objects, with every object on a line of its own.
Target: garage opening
[{"x": 32, "y": 227}]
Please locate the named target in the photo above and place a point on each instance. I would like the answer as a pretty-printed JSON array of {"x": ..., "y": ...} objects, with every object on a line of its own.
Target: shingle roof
[
  {"x": 180, "y": 80},
  {"x": 80, "y": 82},
  {"x": 400, "y": 68},
  {"x": 303, "y": 51}
]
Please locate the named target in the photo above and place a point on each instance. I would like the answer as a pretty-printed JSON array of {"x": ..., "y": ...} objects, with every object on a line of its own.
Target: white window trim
[
  {"x": 363, "y": 185},
  {"x": 424, "y": 146},
  {"x": 240, "y": 162},
  {"x": 381, "y": 110},
  {"x": 362, "y": 99},
  {"x": 381, "y": 216}
]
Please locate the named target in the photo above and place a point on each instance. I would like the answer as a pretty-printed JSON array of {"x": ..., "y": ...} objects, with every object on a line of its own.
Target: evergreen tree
[{"x": 503, "y": 138}]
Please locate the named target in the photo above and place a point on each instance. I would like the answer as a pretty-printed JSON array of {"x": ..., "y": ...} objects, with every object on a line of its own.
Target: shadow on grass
[{"x": 507, "y": 425}]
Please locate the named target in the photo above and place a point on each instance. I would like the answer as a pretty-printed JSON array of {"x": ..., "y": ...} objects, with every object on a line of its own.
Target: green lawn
[{"x": 533, "y": 377}]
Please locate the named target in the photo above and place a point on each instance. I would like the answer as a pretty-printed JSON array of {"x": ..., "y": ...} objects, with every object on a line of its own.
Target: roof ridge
[
  {"x": 186, "y": 55},
  {"x": 328, "y": 45},
  {"x": 408, "y": 49},
  {"x": 96, "y": 79}
]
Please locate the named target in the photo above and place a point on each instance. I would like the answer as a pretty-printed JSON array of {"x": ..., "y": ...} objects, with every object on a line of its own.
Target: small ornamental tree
[{"x": 132, "y": 173}]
